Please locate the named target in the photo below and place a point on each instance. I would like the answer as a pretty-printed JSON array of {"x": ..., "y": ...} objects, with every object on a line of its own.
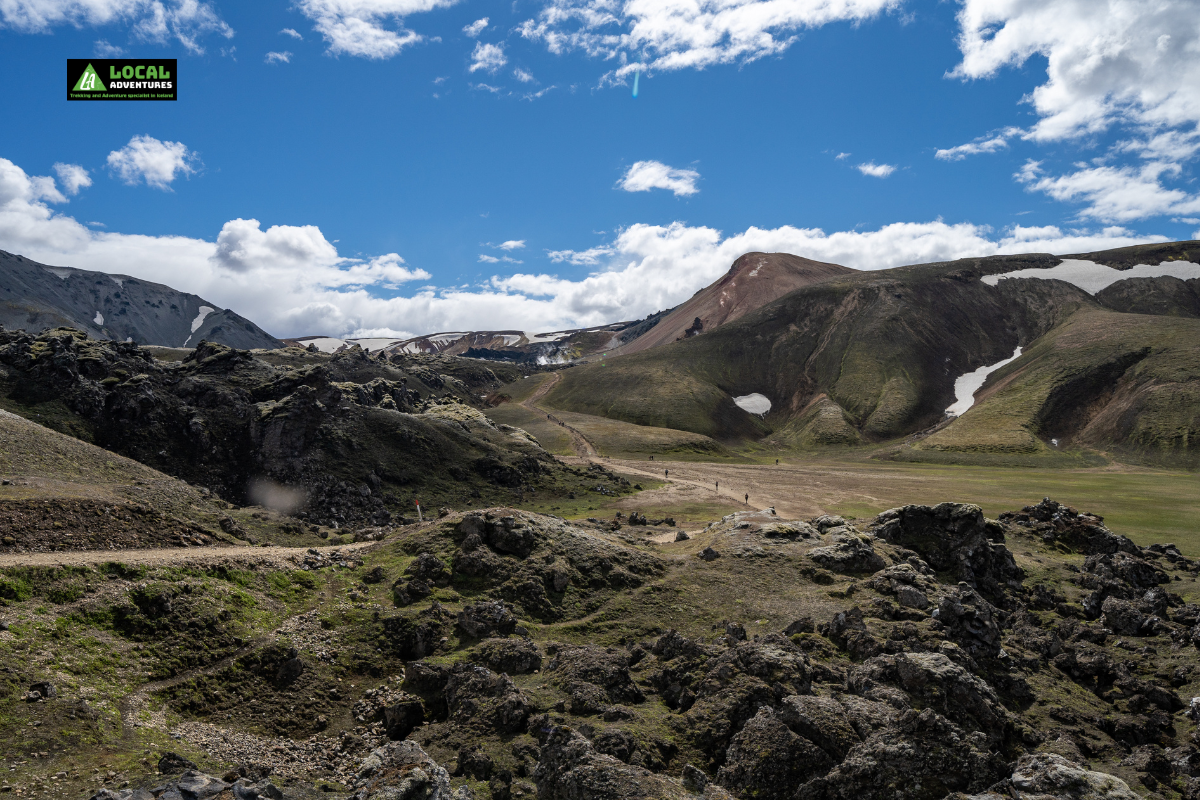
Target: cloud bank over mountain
[{"x": 291, "y": 280}]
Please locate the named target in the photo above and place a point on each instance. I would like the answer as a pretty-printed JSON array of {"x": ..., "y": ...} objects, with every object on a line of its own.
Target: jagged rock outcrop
[{"x": 954, "y": 538}]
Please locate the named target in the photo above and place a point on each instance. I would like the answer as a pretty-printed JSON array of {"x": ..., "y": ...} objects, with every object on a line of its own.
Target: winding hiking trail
[{"x": 583, "y": 448}]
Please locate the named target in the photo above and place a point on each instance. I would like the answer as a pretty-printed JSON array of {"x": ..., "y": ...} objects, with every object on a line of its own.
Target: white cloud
[
  {"x": 486, "y": 259},
  {"x": 475, "y": 28},
  {"x": 291, "y": 280},
  {"x": 73, "y": 177},
  {"x": 875, "y": 170},
  {"x": 103, "y": 49},
  {"x": 531, "y": 96},
  {"x": 842, "y": 156},
  {"x": 1114, "y": 194},
  {"x": 155, "y": 162},
  {"x": 512, "y": 244},
  {"x": 1126, "y": 64},
  {"x": 488, "y": 57},
  {"x": 585, "y": 258},
  {"x": 646, "y": 175},
  {"x": 274, "y": 57},
  {"x": 524, "y": 76},
  {"x": 651, "y": 34},
  {"x": 356, "y": 27},
  {"x": 185, "y": 21},
  {"x": 1107, "y": 60},
  {"x": 295, "y": 34},
  {"x": 983, "y": 144}
]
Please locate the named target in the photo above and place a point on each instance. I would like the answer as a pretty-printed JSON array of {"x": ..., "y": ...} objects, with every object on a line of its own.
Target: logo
[
  {"x": 122, "y": 79},
  {"x": 89, "y": 81}
]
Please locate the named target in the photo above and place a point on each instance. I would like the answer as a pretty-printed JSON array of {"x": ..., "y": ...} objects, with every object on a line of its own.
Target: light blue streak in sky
[{"x": 636, "y": 76}]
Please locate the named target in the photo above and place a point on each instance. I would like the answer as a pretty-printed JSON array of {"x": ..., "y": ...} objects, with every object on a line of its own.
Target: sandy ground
[{"x": 794, "y": 491}]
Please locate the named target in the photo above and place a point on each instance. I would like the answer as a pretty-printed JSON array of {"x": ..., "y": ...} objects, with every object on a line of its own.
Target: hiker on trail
[
  {"x": 718, "y": 485},
  {"x": 747, "y": 498},
  {"x": 666, "y": 473},
  {"x": 777, "y": 462}
]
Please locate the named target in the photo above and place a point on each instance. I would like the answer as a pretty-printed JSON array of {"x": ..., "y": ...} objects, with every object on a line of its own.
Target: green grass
[
  {"x": 550, "y": 436},
  {"x": 1146, "y": 505}
]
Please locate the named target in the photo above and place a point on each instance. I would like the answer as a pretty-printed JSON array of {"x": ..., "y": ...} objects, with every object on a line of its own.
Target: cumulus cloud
[
  {"x": 984, "y": 144},
  {"x": 1114, "y": 193},
  {"x": 73, "y": 177},
  {"x": 160, "y": 21},
  {"x": 644, "y": 34},
  {"x": 295, "y": 34},
  {"x": 274, "y": 57},
  {"x": 155, "y": 162},
  {"x": 646, "y": 175},
  {"x": 875, "y": 170},
  {"x": 487, "y": 57},
  {"x": 1125, "y": 64},
  {"x": 524, "y": 76},
  {"x": 475, "y": 28},
  {"x": 103, "y": 49},
  {"x": 291, "y": 280},
  {"x": 512, "y": 244},
  {"x": 359, "y": 27}
]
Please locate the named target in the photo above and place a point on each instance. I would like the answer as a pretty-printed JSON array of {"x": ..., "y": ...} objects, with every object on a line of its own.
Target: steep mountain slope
[
  {"x": 35, "y": 297},
  {"x": 754, "y": 280},
  {"x": 873, "y": 356}
]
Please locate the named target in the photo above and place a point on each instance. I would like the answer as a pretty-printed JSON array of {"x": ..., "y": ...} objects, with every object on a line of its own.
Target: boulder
[
  {"x": 486, "y": 619},
  {"x": 402, "y": 771},
  {"x": 571, "y": 769},
  {"x": 954, "y": 538},
  {"x": 767, "y": 760},
  {"x": 849, "y": 552},
  {"x": 1046, "y": 774},
  {"x": 404, "y": 716},
  {"x": 970, "y": 620},
  {"x": 510, "y": 656}
]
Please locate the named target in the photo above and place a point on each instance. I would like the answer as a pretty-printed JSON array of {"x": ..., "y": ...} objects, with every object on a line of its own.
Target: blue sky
[{"x": 364, "y": 177}]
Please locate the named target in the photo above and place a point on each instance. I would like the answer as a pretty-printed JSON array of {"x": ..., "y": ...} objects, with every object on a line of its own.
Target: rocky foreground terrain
[{"x": 927, "y": 653}]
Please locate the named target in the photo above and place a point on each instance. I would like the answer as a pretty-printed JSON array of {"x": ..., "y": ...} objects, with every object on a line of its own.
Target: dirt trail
[
  {"x": 171, "y": 555},
  {"x": 583, "y": 448}
]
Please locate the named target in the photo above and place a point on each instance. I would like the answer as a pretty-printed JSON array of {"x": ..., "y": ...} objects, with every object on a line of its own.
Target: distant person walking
[
  {"x": 718, "y": 485},
  {"x": 747, "y": 498},
  {"x": 666, "y": 473}
]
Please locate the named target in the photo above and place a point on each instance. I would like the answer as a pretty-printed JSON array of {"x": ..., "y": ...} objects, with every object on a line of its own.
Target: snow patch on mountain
[
  {"x": 966, "y": 385},
  {"x": 754, "y": 403},
  {"x": 199, "y": 320},
  {"x": 1093, "y": 277},
  {"x": 98, "y": 319}
]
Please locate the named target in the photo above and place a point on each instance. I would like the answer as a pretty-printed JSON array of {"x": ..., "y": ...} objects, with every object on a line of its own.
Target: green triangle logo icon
[{"x": 89, "y": 81}]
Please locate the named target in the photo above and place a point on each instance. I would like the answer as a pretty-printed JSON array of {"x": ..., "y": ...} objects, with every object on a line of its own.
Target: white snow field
[
  {"x": 1092, "y": 277},
  {"x": 966, "y": 385},
  {"x": 753, "y": 403},
  {"x": 98, "y": 319}
]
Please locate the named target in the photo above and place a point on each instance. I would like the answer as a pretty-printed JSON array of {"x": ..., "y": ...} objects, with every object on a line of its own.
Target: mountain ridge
[{"x": 37, "y": 297}]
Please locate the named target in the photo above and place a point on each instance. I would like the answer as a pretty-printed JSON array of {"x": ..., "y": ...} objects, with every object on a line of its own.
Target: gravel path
[
  {"x": 583, "y": 448},
  {"x": 280, "y": 556}
]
